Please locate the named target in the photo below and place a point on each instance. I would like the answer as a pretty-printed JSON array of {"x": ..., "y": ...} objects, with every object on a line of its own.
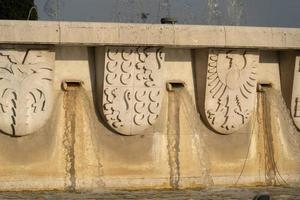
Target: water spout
[
  {"x": 180, "y": 101},
  {"x": 174, "y": 137},
  {"x": 70, "y": 103}
]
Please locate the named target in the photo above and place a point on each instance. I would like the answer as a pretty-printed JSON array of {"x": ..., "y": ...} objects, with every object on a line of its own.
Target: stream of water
[
  {"x": 173, "y": 138},
  {"x": 180, "y": 101}
]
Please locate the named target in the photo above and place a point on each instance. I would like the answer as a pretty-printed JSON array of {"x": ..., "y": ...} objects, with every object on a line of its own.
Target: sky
[{"x": 276, "y": 13}]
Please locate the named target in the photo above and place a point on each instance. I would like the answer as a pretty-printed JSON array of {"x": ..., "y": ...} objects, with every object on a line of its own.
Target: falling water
[
  {"x": 274, "y": 110},
  {"x": 235, "y": 11},
  {"x": 275, "y": 100},
  {"x": 51, "y": 8},
  {"x": 77, "y": 108},
  {"x": 88, "y": 110},
  {"x": 213, "y": 12},
  {"x": 70, "y": 102},
  {"x": 275, "y": 105},
  {"x": 197, "y": 127},
  {"x": 173, "y": 137},
  {"x": 181, "y": 101},
  {"x": 270, "y": 165},
  {"x": 164, "y": 8}
]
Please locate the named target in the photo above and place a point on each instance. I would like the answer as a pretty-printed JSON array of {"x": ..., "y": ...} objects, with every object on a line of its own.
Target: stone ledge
[{"x": 184, "y": 36}]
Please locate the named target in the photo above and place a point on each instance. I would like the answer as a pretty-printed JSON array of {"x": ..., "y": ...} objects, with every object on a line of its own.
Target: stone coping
[{"x": 181, "y": 36}]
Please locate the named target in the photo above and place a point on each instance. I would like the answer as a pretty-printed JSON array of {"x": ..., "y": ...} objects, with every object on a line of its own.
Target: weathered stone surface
[
  {"x": 128, "y": 34},
  {"x": 26, "y": 97},
  {"x": 80, "y": 149},
  {"x": 230, "y": 89},
  {"x": 295, "y": 104},
  {"x": 133, "y": 88}
]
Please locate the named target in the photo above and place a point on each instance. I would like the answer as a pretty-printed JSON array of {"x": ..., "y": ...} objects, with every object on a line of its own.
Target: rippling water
[{"x": 213, "y": 193}]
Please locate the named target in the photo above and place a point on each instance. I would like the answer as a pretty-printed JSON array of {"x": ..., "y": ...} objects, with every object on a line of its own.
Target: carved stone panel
[
  {"x": 295, "y": 104},
  {"x": 230, "y": 89},
  {"x": 25, "y": 90},
  {"x": 133, "y": 88}
]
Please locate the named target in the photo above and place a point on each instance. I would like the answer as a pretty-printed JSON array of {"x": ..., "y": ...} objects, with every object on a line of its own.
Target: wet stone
[{"x": 280, "y": 193}]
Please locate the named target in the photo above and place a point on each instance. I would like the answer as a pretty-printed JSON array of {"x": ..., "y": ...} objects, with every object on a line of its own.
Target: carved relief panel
[
  {"x": 132, "y": 88},
  {"x": 25, "y": 90},
  {"x": 295, "y": 104},
  {"x": 230, "y": 89}
]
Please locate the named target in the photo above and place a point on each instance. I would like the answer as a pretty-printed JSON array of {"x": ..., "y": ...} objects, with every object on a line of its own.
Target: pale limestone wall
[
  {"x": 26, "y": 90},
  {"x": 75, "y": 147}
]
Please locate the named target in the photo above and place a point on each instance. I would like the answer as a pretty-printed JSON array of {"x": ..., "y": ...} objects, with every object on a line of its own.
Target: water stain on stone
[
  {"x": 173, "y": 137},
  {"x": 195, "y": 124},
  {"x": 270, "y": 165},
  {"x": 70, "y": 102}
]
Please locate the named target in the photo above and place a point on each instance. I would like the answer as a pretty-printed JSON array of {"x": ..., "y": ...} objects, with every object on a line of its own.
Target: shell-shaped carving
[
  {"x": 295, "y": 104},
  {"x": 132, "y": 88},
  {"x": 25, "y": 90},
  {"x": 230, "y": 89}
]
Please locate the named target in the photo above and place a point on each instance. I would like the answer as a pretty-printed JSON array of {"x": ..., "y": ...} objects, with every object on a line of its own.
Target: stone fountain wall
[{"x": 89, "y": 110}]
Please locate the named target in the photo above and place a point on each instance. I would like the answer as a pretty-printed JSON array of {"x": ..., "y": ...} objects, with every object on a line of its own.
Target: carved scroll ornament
[
  {"x": 230, "y": 89},
  {"x": 25, "y": 90},
  {"x": 133, "y": 88}
]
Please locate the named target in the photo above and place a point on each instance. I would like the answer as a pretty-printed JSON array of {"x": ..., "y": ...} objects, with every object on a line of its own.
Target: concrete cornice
[{"x": 183, "y": 36}]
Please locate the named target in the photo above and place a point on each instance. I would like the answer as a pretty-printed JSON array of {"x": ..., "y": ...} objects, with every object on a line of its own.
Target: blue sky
[{"x": 279, "y": 13}]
